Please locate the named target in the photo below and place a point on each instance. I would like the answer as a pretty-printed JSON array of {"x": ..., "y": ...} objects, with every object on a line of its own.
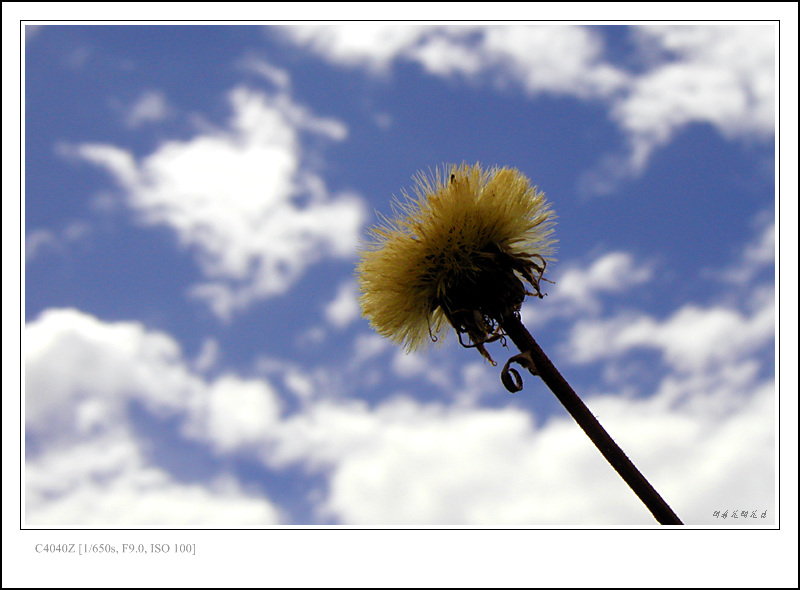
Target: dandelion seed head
[{"x": 455, "y": 251}]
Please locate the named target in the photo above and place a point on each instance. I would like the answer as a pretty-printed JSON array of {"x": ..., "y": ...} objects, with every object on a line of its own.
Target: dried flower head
[{"x": 461, "y": 252}]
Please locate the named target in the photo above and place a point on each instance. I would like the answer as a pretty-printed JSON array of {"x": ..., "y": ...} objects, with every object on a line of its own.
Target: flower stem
[{"x": 515, "y": 330}]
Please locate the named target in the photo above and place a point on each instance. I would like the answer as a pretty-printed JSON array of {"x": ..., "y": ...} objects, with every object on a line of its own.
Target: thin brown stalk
[{"x": 545, "y": 369}]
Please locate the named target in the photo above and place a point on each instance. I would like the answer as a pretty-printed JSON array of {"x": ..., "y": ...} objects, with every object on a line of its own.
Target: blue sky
[{"x": 195, "y": 200}]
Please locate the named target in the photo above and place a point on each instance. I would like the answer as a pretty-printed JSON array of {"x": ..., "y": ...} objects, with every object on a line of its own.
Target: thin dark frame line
[{"x": 776, "y": 362}]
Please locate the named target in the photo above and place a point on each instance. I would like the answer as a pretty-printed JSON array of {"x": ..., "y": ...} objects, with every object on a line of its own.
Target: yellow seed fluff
[{"x": 440, "y": 238}]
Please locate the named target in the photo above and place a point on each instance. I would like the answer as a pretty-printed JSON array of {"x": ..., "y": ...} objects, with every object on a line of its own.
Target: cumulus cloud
[
  {"x": 344, "y": 308},
  {"x": 556, "y": 59},
  {"x": 704, "y": 435},
  {"x": 207, "y": 357},
  {"x": 421, "y": 365},
  {"x": 408, "y": 463},
  {"x": 370, "y": 45},
  {"x": 235, "y": 414},
  {"x": 40, "y": 241},
  {"x": 242, "y": 198},
  {"x": 611, "y": 273},
  {"x": 150, "y": 107},
  {"x": 105, "y": 483},
  {"x": 720, "y": 75},
  {"x": 756, "y": 256},
  {"x": 77, "y": 367},
  {"x": 277, "y": 76},
  {"x": 401, "y": 461},
  {"x": 578, "y": 289},
  {"x": 367, "y": 346},
  {"x": 691, "y": 338},
  {"x": 87, "y": 465},
  {"x": 706, "y": 350}
]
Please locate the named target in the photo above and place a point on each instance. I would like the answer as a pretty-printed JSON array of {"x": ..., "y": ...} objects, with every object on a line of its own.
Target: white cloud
[
  {"x": 577, "y": 289},
  {"x": 365, "y": 363},
  {"x": 704, "y": 436},
  {"x": 78, "y": 368},
  {"x": 558, "y": 59},
  {"x": 611, "y": 273},
  {"x": 232, "y": 196},
  {"x": 694, "y": 337},
  {"x": 235, "y": 414},
  {"x": 299, "y": 384},
  {"x": 690, "y": 339},
  {"x": 704, "y": 439},
  {"x": 370, "y": 45},
  {"x": 344, "y": 308},
  {"x": 150, "y": 107},
  {"x": 762, "y": 252},
  {"x": 105, "y": 483},
  {"x": 756, "y": 256},
  {"x": 721, "y": 75},
  {"x": 422, "y": 365},
  {"x": 724, "y": 75},
  {"x": 86, "y": 464},
  {"x": 478, "y": 382},
  {"x": 81, "y": 373},
  {"x": 407, "y": 463},
  {"x": 446, "y": 52},
  {"x": 207, "y": 357},
  {"x": 367, "y": 346},
  {"x": 269, "y": 72},
  {"x": 40, "y": 241}
]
